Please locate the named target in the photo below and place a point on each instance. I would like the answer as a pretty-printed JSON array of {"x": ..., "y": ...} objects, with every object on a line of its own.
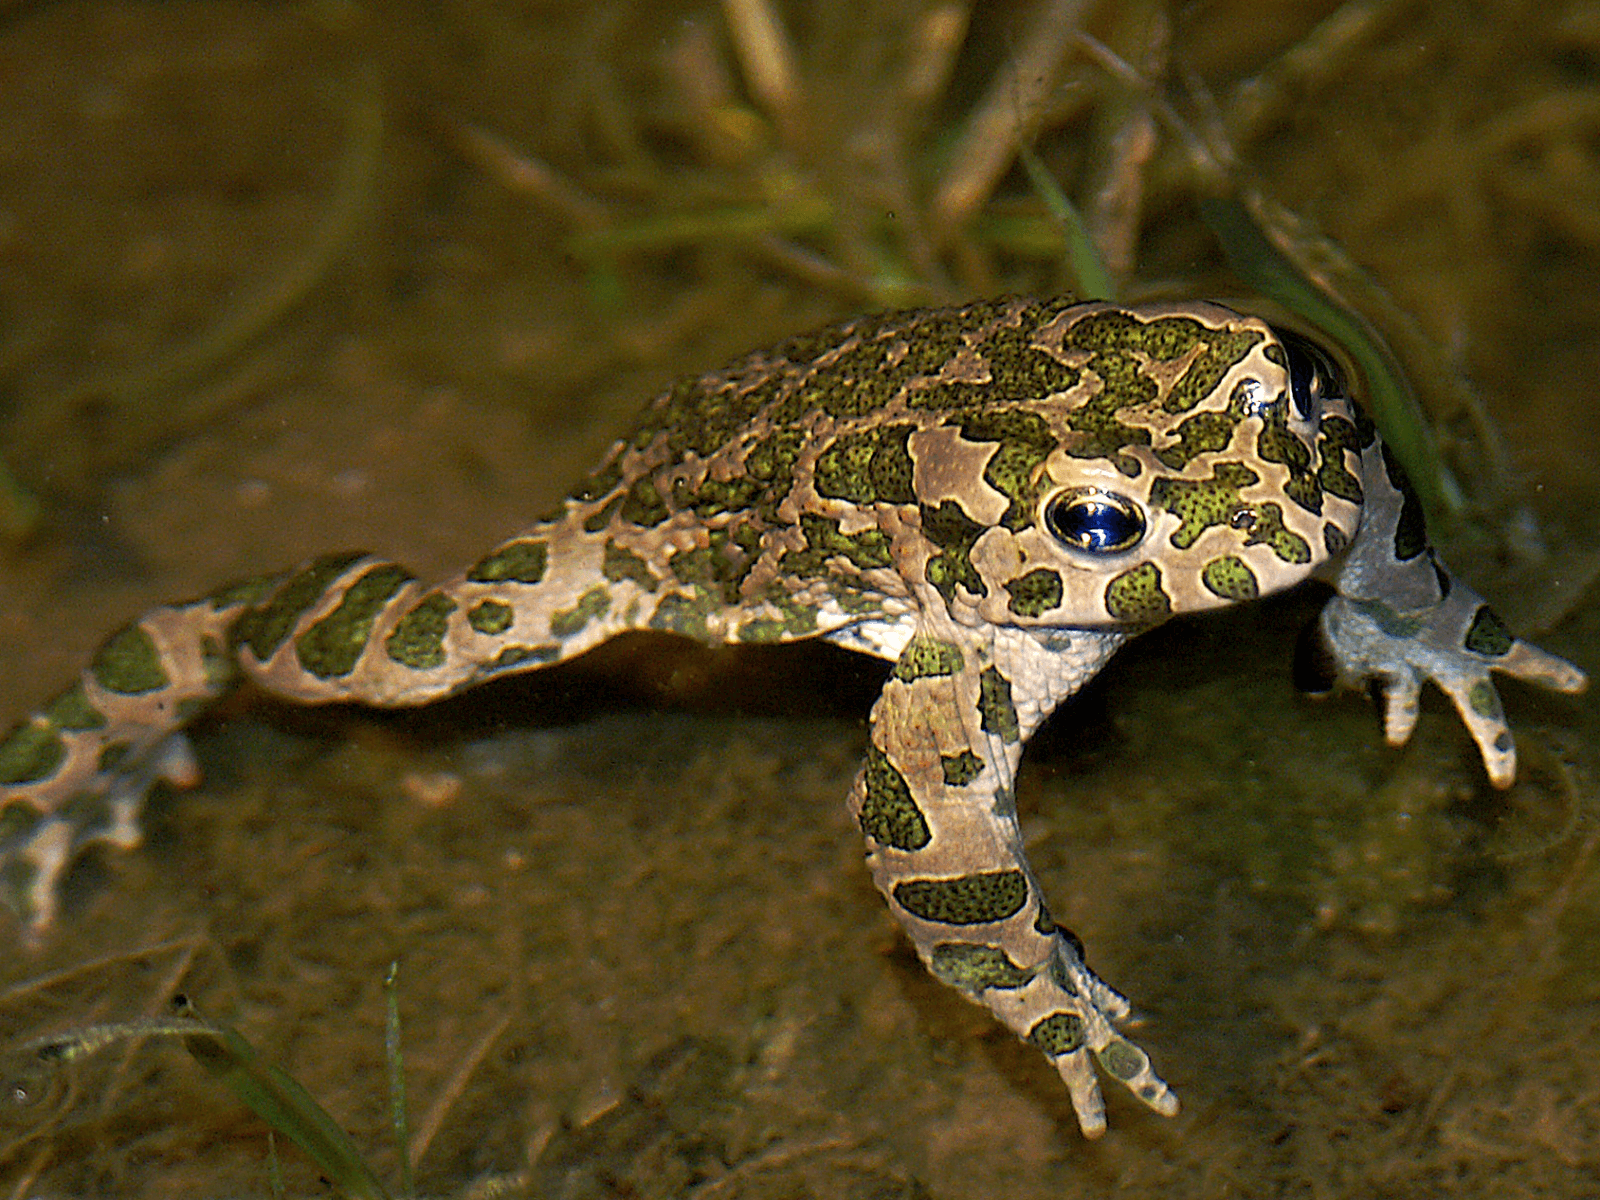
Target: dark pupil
[
  {"x": 1095, "y": 525},
  {"x": 1302, "y": 375},
  {"x": 1312, "y": 374}
]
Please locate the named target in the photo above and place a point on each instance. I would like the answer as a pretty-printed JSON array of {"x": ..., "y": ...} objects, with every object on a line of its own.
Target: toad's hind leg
[
  {"x": 935, "y": 801},
  {"x": 360, "y": 629},
  {"x": 345, "y": 627},
  {"x": 76, "y": 771}
]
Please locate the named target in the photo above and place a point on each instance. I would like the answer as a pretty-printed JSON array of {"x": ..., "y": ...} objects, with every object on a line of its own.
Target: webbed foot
[
  {"x": 1071, "y": 1014},
  {"x": 1456, "y": 643},
  {"x": 36, "y": 848}
]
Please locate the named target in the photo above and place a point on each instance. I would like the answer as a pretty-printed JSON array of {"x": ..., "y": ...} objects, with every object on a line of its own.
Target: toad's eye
[
  {"x": 1093, "y": 520},
  {"x": 1312, "y": 374}
]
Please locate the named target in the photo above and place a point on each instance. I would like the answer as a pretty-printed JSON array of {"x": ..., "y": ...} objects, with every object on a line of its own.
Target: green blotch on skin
[
  {"x": 1122, "y": 1060},
  {"x": 871, "y": 360},
  {"x": 111, "y": 755},
  {"x": 682, "y": 614},
  {"x": 889, "y": 815},
  {"x": 1058, "y": 1034},
  {"x": 721, "y": 566},
  {"x": 1230, "y": 578},
  {"x": 1202, "y": 433},
  {"x": 1111, "y": 337},
  {"x": 1117, "y": 342},
  {"x": 1482, "y": 699},
  {"x": 1035, "y": 593},
  {"x": 737, "y": 548},
  {"x": 1366, "y": 429},
  {"x": 1224, "y": 348},
  {"x": 188, "y": 709},
  {"x": 1020, "y": 369},
  {"x": 870, "y": 467},
  {"x": 799, "y": 619},
  {"x": 643, "y": 504},
  {"x": 866, "y": 550},
  {"x": 1102, "y": 435},
  {"x": 924, "y": 657},
  {"x": 1044, "y": 923},
  {"x": 30, "y": 753},
  {"x": 966, "y": 899},
  {"x": 1136, "y": 597},
  {"x": 762, "y": 630},
  {"x": 417, "y": 640},
  {"x": 1277, "y": 443},
  {"x": 17, "y": 821},
  {"x": 949, "y": 528},
  {"x": 771, "y": 461},
  {"x": 1123, "y": 385},
  {"x": 695, "y": 566},
  {"x": 72, "y": 711},
  {"x": 593, "y": 603},
  {"x": 515, "y": 562},
  {"x": 1390, "y": 622},
  {"x": 998, "y": 713},
  {"x": 1411, "y": 528},
  {"x": 516, "y": 656},
  {"x": 718, "y": 569},
  {"x": 1488, "y": 634},
  {"x": 217, "y": 664},
  {"x": 796, "y": 619},
  {"x": 974, "y": 968},
  {"x": 490, "y": 617},
  {"x": 713, "y": 497},
  {"x": 602, "y": 482},
  {"x": 1335, "y": 436},
  {"x": 601, "y": 517},
  {"x": 706, "y": 413},
  {"x": 1200, "y": 504},
  {"x": 331, "y": 647},
  {"x": 1025, "y": 441},
  {"x": 621, "y": 563},
  {"x": 960, "y": 769},
  {"x": 128, "y": 663},
  {"x": 1269, "y": 530},
  {"x": 857, "y": 600},
  {"x": 246, "y": 591},
  {"x": 853, "y": 382},
  {"x": 879, "y": 359},
  {"x": 264, "y": 628}
]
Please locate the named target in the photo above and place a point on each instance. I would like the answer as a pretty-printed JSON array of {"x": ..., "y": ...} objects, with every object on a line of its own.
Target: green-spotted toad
[{"x": 993, "y": 498}]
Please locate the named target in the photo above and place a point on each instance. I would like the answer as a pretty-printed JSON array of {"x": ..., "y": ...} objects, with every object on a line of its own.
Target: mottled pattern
[{"x": 992, "y": 497}]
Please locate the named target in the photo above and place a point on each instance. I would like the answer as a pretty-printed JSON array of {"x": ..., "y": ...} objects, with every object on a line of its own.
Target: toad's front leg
[
  {"x": 935, "y": 800},
  {"x": 1401, "y": 619}
]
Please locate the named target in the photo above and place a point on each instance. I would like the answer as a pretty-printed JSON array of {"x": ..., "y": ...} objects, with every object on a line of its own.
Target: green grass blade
[
  {"x": 268, "y": 1092},
  {"x": 397, "y": 1078},
  {"x": 1394, "y": 405},
  {"x": 284, "y": 1105},
  {"x": 1083, "y": 259}
]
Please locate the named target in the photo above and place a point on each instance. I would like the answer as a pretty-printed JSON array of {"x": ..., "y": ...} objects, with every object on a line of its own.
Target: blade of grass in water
[
  {"x": 1394, "y": 405},
  {"x": 270, "y": 1093},
  {"x": 1088, "y": 271},
  {"x": 284, "y": 1105},
  {"x": 397, "y": 1077}
]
